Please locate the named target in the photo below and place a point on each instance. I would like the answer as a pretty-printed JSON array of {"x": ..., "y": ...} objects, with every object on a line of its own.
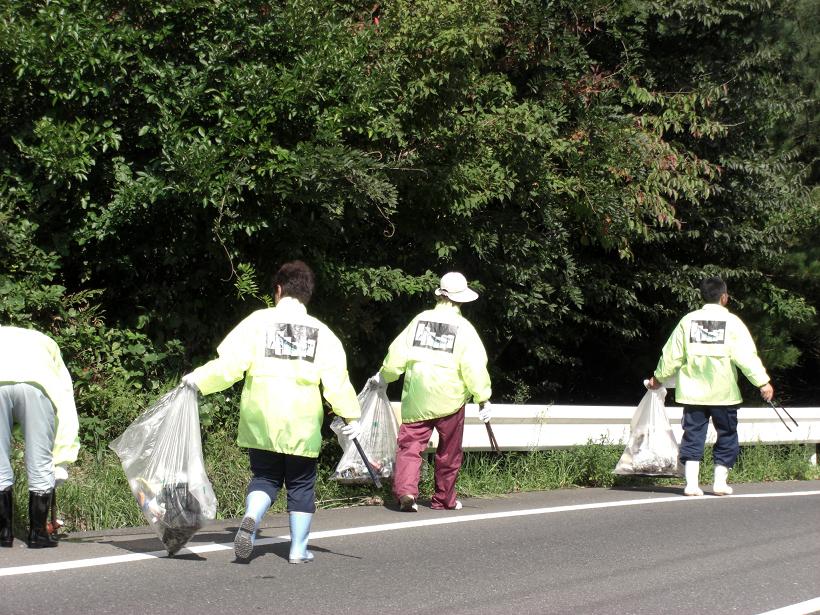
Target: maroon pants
[{"x": 412, "y": 442}]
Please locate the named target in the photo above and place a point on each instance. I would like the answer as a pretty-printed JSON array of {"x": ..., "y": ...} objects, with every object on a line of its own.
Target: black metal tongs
[
  {"x": 493, "y": 441},
  {"x": 776, "y": 409}
]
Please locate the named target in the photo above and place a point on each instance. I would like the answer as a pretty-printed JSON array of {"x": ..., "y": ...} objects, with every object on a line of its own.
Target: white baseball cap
[{"x": 453, "y": 285}]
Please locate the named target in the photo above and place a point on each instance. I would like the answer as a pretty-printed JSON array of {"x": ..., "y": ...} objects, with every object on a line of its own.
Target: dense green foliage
[{"x": 585, "y": 162}]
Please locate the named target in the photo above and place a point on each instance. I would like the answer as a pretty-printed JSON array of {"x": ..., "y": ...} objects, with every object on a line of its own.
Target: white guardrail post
[{"x": 520, "y": 427}]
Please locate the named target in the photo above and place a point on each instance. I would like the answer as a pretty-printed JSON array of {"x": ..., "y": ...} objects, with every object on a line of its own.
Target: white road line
[
  {"x": 802, "y": 608},
  {"x": 385, "y": 527}
]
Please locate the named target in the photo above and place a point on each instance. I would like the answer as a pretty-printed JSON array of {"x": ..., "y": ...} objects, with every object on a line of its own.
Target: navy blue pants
[
  {"x": 695, "y": 422},
  {"x": 271, "y": 470}
]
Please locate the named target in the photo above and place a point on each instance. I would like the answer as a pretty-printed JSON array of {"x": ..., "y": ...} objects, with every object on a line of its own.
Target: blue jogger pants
[
  {"x": 695, "y": 423},
  {"x": 298, "y": 474}
]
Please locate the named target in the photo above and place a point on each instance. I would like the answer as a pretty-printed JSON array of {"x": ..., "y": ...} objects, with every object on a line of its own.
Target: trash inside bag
[
  {"x": 380, "y": 429},
  {"x": 161, "y": 455},
  {"x": 652, "y": 449}
]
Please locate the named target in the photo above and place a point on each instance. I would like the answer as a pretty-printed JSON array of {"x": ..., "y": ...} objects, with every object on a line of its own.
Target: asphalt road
[{"x": 571, "y": 551}]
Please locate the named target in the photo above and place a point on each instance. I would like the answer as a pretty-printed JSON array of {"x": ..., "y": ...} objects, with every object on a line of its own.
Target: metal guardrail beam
[{"x": 521, "y": 427}]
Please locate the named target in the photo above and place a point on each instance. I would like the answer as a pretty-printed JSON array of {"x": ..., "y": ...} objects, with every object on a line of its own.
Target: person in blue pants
[{"x": 704, "y": 354}]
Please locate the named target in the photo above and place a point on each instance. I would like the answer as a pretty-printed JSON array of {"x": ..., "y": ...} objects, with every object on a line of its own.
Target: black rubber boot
[
  {"x": 6, "y": 518},
  {"x": 39, "y": 503}
]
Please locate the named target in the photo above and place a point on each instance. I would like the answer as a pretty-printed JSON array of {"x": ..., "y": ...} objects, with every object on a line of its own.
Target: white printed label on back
[
  {"x": 707, "y": 332},
  {"x": 287, "y": 341},
  {"x": 435, "y": 336}
]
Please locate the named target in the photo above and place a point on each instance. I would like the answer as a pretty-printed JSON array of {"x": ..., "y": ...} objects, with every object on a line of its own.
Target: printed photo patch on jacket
[
  {"x": 435, "y": 335},
  {"x": 287, "y": 341},
  {"x": 707, "y": 332}
]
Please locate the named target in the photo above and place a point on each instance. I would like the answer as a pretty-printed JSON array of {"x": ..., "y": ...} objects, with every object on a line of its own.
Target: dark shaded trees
[{"x": 585, "y": 162}]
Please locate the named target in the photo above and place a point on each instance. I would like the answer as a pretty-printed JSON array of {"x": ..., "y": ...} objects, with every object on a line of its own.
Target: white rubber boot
[
  {"x": 256, "y": 505},
  {"x": 299, "y": 531},
  {"x": 720, "y": 487},
  {"x": 692, "y": 470}
]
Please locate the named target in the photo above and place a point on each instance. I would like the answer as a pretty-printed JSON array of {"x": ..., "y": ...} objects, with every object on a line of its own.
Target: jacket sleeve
[
  {"x": 744, "y": 355},
  {"x": 395, "y": 362},
  {"x": 235, "y": 356},
  {"x": 66, "y": 439},
  {"x": 474, "y": 369},
  {"x": 336, "y": 386},
  {"x": 673, "y": 354}
]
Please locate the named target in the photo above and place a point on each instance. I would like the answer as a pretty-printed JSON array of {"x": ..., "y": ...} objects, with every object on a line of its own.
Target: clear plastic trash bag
[
  {"x": 652, "y": 449},
  {"x": 161, "y": 454},
  {"x": 380, "y": 429}
]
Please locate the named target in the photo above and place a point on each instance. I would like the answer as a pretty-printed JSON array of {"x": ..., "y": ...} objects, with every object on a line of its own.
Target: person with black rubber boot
[{"x": 35, "y": 392}]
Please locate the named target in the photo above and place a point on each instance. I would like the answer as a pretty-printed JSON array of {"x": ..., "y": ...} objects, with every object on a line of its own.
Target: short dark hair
[
  {"x": 296, "y": 280},
  {"x": 712, "y": 288}
]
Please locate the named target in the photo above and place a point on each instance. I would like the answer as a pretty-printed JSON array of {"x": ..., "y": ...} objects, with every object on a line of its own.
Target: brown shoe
[{"x": 407, "y": 503}]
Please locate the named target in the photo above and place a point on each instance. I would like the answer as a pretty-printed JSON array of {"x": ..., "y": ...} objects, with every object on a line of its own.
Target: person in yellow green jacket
[
  {"x": 284, "y": 355},
  {"x": 36, "y": 392},
  {"x": 704, "y": 352},
  {"x": 444, "y": 365}
]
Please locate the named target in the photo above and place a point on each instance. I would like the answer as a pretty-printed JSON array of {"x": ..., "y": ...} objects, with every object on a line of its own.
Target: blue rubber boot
[
  {"x": 299, "y": 530},
  {"x": 256, "y": 505}
]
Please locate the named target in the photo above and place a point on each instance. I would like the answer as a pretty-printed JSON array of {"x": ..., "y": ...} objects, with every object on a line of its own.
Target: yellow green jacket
[
  {"x": 34, "y": 358},
  {"x": 284, "y": 355},
  {"x": 706, "y": 349},
  {"x": 443, "y": 361}
]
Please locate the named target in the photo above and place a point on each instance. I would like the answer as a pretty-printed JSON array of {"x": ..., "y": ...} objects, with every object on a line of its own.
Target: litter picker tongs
[
  {"x": 776, "y": 409},
  {"x": 493, "y": 441},
  {"x": 367, "y": 465}
]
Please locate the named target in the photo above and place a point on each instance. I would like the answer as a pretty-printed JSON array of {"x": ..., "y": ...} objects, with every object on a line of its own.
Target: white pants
[{"x": 28, "y": 406}]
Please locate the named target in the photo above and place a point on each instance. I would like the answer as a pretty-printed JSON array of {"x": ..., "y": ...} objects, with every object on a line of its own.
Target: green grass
[{"x": 96, "y": 495}]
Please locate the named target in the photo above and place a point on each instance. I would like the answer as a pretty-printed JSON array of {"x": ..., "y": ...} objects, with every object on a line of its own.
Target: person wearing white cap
[{"x": 444, "y": 365}]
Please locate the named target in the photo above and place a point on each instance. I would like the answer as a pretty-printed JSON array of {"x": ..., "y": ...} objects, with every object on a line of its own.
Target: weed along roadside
[{"x": 98, "y": 497}]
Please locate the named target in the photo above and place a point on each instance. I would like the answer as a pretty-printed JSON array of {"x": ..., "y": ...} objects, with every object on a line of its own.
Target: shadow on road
[
  {"x": 648, "y": 489},
  {"x": 148, "y": 543}
]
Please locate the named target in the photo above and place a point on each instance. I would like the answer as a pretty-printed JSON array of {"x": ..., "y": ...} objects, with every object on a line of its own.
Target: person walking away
[
  {"x": 444, "y": 365},
  {"x": 284, "y": 355},
  {"x": 706, "y": 349},
  {"x": 35, "y": 392}
]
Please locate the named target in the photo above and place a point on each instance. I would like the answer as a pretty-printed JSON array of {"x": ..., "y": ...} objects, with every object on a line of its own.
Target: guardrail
[{"x": 539, "y": 427}]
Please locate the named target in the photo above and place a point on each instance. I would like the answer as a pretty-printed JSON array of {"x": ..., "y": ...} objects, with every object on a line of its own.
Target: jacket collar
[
  {"x": 449, "y": 307},
  {"x": 714, "y": 307},
  {"x": 291, "y": 304}
]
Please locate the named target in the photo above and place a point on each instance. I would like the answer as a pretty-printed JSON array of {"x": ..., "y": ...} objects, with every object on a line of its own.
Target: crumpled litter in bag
[
  {"x": 161, "y": 455},
  {"x": 380, "y": 429},
  {"x": 652, "y": 449}
]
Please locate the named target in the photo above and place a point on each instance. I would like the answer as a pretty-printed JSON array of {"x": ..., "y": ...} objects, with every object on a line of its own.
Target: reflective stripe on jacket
[
  {"x": 443, "y": 361},
  {"x": 34, "y": 358},
  {"x": 283, "y": 354},
  {"x": 706, "y": 349}
]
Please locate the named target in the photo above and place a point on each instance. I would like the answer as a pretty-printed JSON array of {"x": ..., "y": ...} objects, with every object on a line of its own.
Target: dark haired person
[
  {"x": 284, "y": 355},
  {"x": 706, "y": 349},
  {"x": 36, "y": 392},
  {"x": 444, "y": 365}
]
